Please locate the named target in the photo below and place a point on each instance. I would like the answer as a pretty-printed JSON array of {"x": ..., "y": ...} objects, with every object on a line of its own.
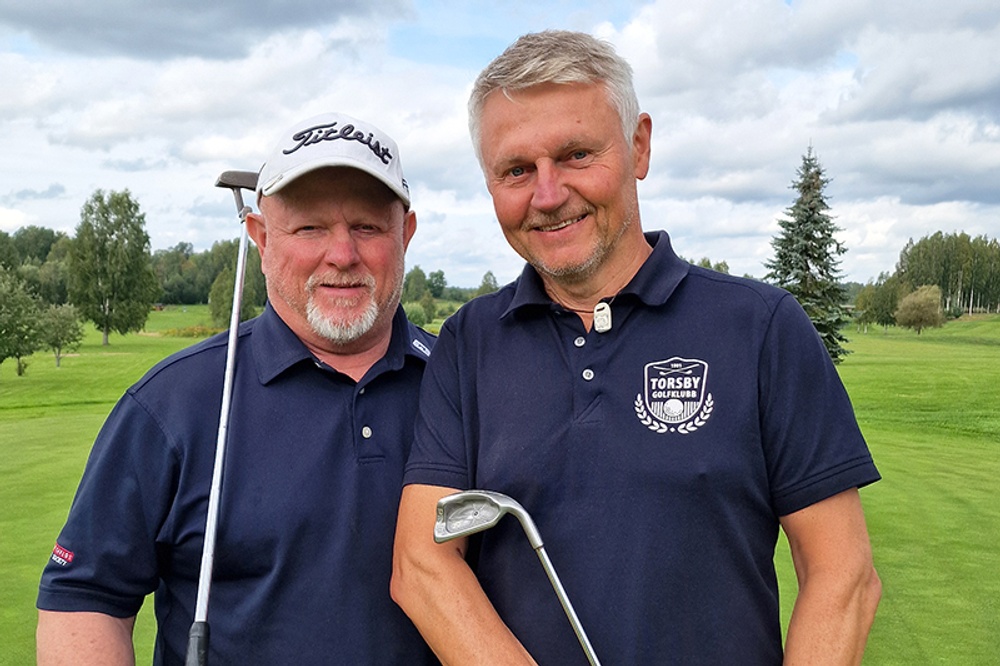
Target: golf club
[
  {"x": 197, "y": 652},
  {"x": 473, "y": 511}
]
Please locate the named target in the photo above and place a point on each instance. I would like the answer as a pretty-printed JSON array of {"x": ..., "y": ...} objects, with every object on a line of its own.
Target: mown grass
[
  {"x": 48, "y": 420},
  {"x": 927, "y": 405}
]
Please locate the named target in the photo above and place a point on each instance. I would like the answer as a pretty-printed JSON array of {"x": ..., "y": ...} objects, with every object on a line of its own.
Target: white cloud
[
  {"x": 12, "y": 219},
  {"x": 900, "y": 100}
]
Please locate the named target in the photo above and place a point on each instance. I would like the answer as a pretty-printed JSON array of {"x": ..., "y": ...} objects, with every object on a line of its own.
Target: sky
[{"x": 899, "y": 99}]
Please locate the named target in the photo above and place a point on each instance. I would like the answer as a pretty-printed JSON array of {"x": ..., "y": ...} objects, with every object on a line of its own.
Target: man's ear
[
  {"x": 409, "y": 228},
  {"x": 642, "y": 146},
  {"x": 257, "y": 230}
]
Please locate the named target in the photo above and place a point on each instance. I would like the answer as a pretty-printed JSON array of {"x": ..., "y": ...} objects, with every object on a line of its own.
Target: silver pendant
[{"x": 602, "y": 317}]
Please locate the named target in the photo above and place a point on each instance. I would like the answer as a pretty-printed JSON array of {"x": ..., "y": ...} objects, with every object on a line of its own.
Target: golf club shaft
[
  {"x": 197, "y": 653},
  {"x": 581, "y": 635}
]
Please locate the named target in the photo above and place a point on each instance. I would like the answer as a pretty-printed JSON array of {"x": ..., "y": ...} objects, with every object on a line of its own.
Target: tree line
[
  {"x": 946, "y": 275},
  {"x": 428, "y": 296},
  {"x": 967, "y": 270},
  {"x": 49, "y": 282}
]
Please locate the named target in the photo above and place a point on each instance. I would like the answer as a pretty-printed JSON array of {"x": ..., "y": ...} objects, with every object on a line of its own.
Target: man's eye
[
  {"x": 579, "y": 154},
  {"x": 517, "y": 171}
]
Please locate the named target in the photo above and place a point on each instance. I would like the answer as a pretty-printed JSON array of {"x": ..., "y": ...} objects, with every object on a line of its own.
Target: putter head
[
  {"x": 234, "y": 180},
  {"x": 471, "y": 511}
]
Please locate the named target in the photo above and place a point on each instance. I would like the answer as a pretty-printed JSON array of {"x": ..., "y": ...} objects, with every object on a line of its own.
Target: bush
[
  {"x": 415, "y": 313},
  {"x": 921, "y": 309}
]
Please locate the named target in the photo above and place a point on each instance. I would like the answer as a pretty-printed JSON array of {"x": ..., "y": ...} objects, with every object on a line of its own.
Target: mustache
[
  {"x": 539, "y": 219},
  {"x": 340, "y": 280}
]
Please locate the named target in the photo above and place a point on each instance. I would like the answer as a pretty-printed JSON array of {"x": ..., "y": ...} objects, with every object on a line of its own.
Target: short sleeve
[
  {"x": 812, "y": 442},
  {"x": 105, "y": 558},
  {"x": 439, "y": 455}
]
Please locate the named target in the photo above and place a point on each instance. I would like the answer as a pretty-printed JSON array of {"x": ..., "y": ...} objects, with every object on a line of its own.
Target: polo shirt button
[
  {"x": 366, "y": 432},
  {"x": 580, "y": 341},
  {"x": 588, "y": 374},
  {"x": 361, "y": 391}
]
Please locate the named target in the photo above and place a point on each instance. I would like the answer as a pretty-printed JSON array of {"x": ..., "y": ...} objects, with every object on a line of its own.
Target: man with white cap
[{"x": 323, "y": 405}]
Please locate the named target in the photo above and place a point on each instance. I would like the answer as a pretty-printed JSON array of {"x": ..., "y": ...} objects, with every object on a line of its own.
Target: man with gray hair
[{"x": 659, "y": 421}]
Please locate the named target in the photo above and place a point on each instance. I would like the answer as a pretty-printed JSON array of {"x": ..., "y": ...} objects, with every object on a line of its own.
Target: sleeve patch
[{"x": 61, "y": 556}]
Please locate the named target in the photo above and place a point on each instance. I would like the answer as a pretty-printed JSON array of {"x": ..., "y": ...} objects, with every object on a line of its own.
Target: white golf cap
[{"x": 333, "y": 140}]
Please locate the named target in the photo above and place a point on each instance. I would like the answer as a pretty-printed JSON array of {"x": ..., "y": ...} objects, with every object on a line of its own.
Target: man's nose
[
  {"x": 550, "y": 192},
  {"x": 341, "y": 248}
]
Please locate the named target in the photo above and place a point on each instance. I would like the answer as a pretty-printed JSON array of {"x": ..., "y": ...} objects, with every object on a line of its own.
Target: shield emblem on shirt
[{"x": 675, "y": 396}]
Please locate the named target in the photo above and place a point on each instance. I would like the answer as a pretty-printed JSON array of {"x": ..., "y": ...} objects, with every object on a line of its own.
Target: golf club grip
[{"x": 197, "y": 653}]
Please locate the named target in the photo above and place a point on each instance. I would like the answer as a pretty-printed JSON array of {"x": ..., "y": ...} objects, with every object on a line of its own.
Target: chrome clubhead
[{"x": 473, "y": 511}]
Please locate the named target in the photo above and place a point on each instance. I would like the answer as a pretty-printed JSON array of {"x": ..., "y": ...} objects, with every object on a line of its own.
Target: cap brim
[{"x": 276, "y": 183}]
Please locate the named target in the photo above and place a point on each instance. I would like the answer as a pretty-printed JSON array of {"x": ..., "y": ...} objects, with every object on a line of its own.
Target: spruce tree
[{"x": 806, "y": 256}]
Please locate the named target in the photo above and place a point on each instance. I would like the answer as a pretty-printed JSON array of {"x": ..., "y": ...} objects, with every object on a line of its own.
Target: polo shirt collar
[
  {"x": 659, "y": 276},
  {"x": 528, "y": 291},
  {"x": 653, "y": 284},
  {"x": 405, "y": 342},
  {"x": 276, "y": 348}
]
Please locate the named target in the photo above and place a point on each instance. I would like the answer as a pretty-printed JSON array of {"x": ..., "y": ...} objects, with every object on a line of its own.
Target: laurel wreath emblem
[{"x": 685, "y": 428}]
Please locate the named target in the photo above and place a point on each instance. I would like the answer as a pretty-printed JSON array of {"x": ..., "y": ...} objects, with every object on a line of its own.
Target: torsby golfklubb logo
[{"x": 675, "y": 396}]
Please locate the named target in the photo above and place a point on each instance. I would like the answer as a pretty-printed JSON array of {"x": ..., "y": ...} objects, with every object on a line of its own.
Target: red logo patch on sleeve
[{"x": 61, "y": 556}]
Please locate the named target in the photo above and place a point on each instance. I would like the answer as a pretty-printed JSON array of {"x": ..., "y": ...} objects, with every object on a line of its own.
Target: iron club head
[{"x": 473, "y": 511}]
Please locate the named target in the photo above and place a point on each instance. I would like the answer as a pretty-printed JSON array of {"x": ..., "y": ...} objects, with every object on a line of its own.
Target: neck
[
  {"x": 354, "y": 364},
  {"x": 354, "y": 358},
  {"x": 583, "y": 296}
]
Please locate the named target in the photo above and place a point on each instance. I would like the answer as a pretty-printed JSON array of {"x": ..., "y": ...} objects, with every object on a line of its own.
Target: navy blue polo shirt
[
  {"x": 307, "y": 515},
  {"x": 655, "y": 458}
]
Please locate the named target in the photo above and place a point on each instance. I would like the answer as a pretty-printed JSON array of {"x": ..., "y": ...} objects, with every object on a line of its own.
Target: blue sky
[
  {"x": 473, "y": 33},
  {"x": 900, "y": 100}
]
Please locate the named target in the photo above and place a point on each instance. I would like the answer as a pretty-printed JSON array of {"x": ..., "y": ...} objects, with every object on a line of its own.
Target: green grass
[
  {"x": 48, "y": 421},
  {"x": 927, "y": 404}
]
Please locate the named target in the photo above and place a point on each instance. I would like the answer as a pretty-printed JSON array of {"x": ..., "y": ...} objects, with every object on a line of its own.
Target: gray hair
[{"x": 556, "y": 56}]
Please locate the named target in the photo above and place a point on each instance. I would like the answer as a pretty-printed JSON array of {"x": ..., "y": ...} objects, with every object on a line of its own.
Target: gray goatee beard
[
  {"x": 344, "y": 331},
  {"x": 341, "y": 333}
]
